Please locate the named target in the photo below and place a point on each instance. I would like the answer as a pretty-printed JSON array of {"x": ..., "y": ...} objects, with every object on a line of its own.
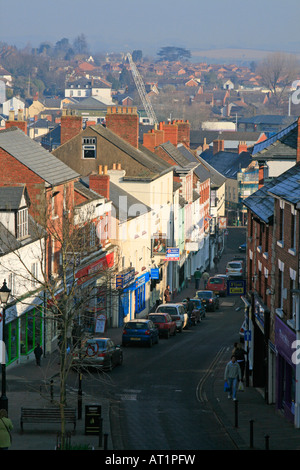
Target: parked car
[
  {"x": 164, "y": 323},
  {"x": 211, "y": 300},
  {"x": 98, "y": 352},
  {"x": 140, "y": 331},
  {"x": 177, "y": 313},
  {"x": 242, "y": 247},
  {"x": 218, "y": 284},
  {"x": 235, "y": 269}
]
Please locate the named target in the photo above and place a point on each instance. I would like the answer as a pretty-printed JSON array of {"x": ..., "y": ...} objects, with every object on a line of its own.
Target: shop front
[
  {"x": 285, "y": 369},
  {"x": 260, "y": 316},
  {"x": 95, "y": 283},
  {"x": 23, "y": 330}
]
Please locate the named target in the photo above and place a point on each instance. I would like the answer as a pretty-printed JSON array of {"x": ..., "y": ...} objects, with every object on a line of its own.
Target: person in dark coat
[
  {"x": 189, "y": 309},
  {"x": 38, "y": 352},
  {"x": 167, "y": 294}
]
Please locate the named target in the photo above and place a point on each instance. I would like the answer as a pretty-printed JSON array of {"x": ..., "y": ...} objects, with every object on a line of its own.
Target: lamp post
[{"x": 4, "y": 296}]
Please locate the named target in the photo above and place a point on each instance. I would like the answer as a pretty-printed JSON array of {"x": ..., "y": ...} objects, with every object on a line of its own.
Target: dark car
[
  {"x": 142, "y": 331},
  {"x": 99, "y": 353},
  {"x": 242, "y": 248},
  {"x": 164, "y": 323},
  {"x": 217, "y": 284},
  {"x": 211, "y": 300}
]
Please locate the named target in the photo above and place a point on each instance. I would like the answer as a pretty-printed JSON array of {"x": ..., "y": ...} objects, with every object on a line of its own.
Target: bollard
[
  {"x": 267, "y": 442},
  {"x": 251, "y": 433},
  {"x": 105, "y": 441},
  {"x": 236, "y": 413},
  {"x": 100, "y": 432}
]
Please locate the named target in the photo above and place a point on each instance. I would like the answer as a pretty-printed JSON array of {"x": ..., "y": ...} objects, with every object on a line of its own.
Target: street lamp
[{"x": 4, "y": 296}]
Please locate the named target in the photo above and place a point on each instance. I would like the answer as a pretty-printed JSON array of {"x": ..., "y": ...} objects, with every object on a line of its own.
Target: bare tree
[
  {"x": 278, "y": 71},
  {"x": 70, "y": 240}
]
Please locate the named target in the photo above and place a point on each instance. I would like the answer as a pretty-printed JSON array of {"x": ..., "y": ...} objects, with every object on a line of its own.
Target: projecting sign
[
  {"x": 236, "y": 287},
  {"x": 172, "y": 254}
]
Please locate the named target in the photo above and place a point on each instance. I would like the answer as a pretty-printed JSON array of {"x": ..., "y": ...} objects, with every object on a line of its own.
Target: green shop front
[{"x": 23, "y": 330}]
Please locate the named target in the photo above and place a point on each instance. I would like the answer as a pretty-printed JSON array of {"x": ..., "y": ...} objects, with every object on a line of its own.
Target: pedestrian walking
[
  {"x": 239, "y": 353},
  {"x": 197, "y": 277},
  {"x": 167, "y": 294},
  {"x": 231, "y": 375},
  {"x": 6, "y": 427},
  {"x": 189, "y": 310},
  {"x": 205, "y": 277},
  {"x": 216, "y": 261},
  {"x": 38, "y": 352}
]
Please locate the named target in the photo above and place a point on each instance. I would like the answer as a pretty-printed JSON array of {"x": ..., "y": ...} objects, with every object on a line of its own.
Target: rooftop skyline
[{"x": 119, "y": 26}]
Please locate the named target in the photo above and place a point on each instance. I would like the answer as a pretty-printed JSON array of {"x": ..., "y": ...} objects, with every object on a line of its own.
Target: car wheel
[
  {"x": 175, "y": 331},
  {"x": 121, "y": 359},
  {"x": 150, "y": 344},
  {"x": 109, "y": 366}
]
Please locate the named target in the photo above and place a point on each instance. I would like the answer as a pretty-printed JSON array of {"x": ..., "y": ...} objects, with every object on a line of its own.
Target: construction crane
[{"x": 142, "y": 91}]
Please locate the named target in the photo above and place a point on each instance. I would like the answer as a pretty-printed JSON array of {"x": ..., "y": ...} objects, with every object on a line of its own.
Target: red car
[
  {"x": 218, "y": 285},
  {"x": 164, "y": 323}
]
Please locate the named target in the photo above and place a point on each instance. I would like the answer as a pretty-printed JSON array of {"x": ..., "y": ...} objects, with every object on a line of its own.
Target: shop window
[
  {"x": 30, "y": 330},
  {"x": 140, "y": 299}
]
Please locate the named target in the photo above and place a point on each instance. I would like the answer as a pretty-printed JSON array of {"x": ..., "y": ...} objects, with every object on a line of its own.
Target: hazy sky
[{"x": 125, "y": 25}]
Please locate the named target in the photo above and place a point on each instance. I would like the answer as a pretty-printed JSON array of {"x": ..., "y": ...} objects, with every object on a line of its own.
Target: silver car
[
  {"x": 235, "y": 269},
  {"x": 177, "y": 312}
]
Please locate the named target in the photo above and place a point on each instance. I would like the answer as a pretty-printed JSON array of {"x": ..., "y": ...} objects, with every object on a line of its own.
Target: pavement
[{"x": 250, "y": 423}]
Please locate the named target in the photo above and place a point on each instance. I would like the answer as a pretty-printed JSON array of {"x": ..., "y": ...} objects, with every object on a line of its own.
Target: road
[{"x": 160, "y": 394}]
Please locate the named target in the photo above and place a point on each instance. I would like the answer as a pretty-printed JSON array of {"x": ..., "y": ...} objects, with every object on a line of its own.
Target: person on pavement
[
  {"x": 205, "y": 277},
  {"x": 239, "y": 353},
  {"x": 5, "y": 427},
  {"x": 197, "y": 277},
  {"x": 232, "y": 375},
  {"x": 167, "y": 294},
  {"x": 38, "y": 352}
]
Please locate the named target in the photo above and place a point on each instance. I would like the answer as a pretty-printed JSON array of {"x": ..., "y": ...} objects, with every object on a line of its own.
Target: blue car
[{"x": 140, "y": 332}]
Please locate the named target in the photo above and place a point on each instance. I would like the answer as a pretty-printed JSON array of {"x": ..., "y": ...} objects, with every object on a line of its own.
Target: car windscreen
[
  {"x": 169, "y": 310},
  {"x": 204, "y": 295},
  {"x": 97, "y": 345},
  {"x": 234, "y": 265},
  {"x": 157, "y": 318},
  {"x": 136, "y": 326},
  {"x": 216, "y": 280}
]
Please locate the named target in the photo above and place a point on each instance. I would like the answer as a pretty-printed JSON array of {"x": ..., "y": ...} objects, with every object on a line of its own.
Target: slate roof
[
  {"x": 227, "y": 163},
  {"x": 281, "y": 145},
  {"x": 35, "y": 157},
  {"x": 285, "y": 186},
  {"x": 154, "y": 166},
  {"x": 10, "y": 197},
  {"x": 203, "y": 170}
]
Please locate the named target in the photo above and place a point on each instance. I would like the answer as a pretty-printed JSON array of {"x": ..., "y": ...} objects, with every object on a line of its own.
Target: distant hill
[{"x": 230, "y": 55}]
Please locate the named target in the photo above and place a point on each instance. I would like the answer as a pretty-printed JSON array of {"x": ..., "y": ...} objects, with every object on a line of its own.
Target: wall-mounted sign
[
  {"x": 125, "y": 278},
  {"x": 172, "y": 254},
  {"x": 154, "y": 273}
]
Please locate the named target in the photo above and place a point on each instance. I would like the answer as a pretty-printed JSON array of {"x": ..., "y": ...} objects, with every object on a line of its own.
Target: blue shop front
[{"x": 133, "y": 295}]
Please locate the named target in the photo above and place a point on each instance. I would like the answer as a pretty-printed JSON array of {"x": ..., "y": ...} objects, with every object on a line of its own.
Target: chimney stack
[
  {"x": 242, "y": 147},
  {"x": 218, "y": 146},
  {"x": 100, "y": 184},
  {"x": 20, "y": 123},
  {"x": 71, "y": 125},
  {"x": 124, "y": 121}
]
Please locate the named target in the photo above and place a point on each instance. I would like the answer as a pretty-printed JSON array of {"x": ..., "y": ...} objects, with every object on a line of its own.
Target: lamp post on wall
[{"x": 4, "y": 296}]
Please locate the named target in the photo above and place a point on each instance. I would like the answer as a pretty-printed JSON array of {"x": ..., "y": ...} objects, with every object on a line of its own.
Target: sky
[{"x": 125, "y": 25}]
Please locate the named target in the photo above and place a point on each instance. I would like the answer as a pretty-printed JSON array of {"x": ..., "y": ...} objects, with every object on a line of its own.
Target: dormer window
[{"x": 22, "y": 223}]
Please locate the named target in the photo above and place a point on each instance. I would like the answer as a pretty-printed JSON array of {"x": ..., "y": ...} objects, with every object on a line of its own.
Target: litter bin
[{"x": 93, "y": 420}]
